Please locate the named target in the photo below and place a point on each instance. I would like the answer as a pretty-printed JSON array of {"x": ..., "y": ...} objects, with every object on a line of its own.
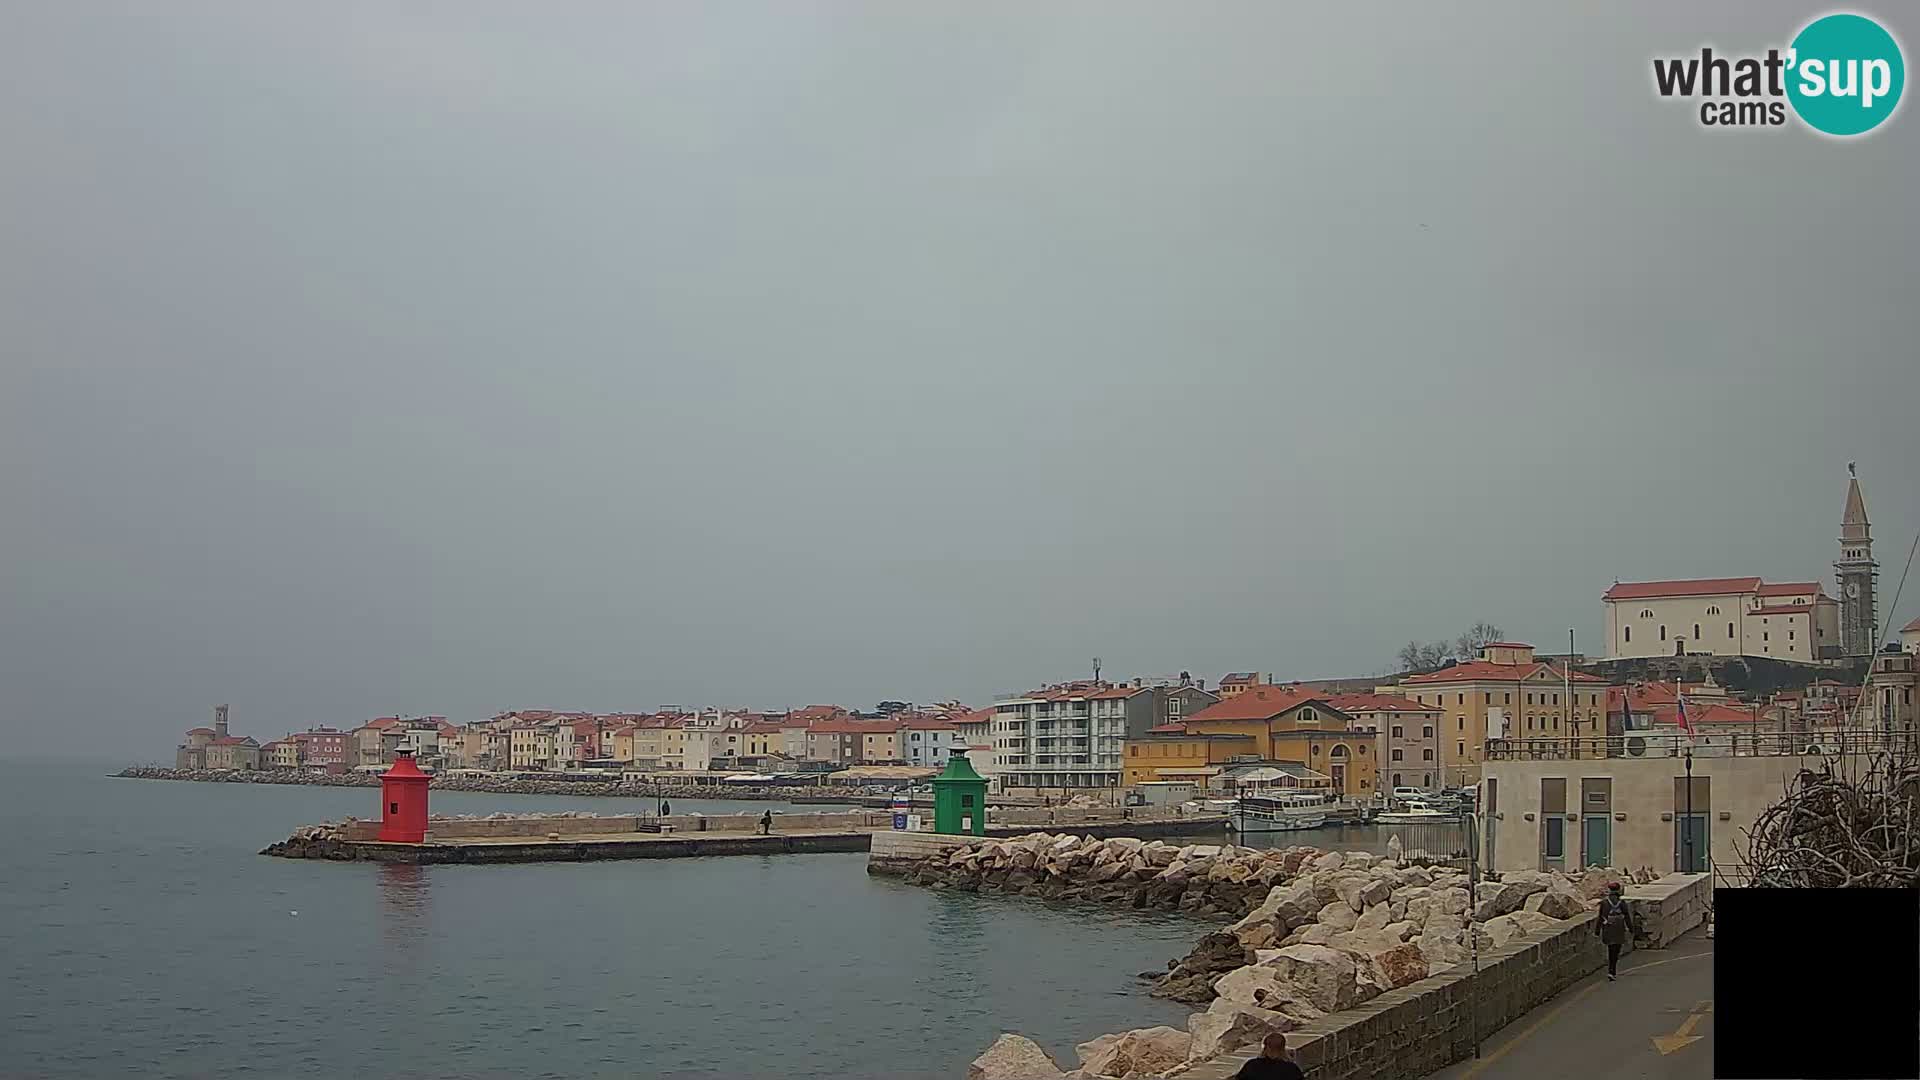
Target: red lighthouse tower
[{"x": 403, "y": 801}]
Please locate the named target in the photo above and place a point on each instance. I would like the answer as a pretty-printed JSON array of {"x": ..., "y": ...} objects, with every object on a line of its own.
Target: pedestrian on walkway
[
  {"x": 766, "y": 823},
  {"x": 1615, "y": 921},
  {"x": 1274, "y": 1062}
]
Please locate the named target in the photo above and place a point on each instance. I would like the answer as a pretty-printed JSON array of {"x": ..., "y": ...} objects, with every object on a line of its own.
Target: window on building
[
  {"x": 1397, "y": 731},
  {"x": 1763, "y": 635},
  {"x": 1506, "y": 699},
  {"x": 1489, "y": 700},
  {"x": 1663, "y": 631},
  {"x": 1789, "y": 635},
  {"x": 1696, "y": 631},
  {"x": 1460, "y": 699},
  {"x": 1427, "y": 754},
  {"x": 1646, "y": 613},
  {"x": 1396, "y": 755},
  {"x": 1363, "y": 749},
  {"x": 1463, "y": 722},
  {"x": 1459, "y": 749},
  {"x": 1556, "y": 699},
  {"x": 1713, "y": 609},
  {"x": 1628, "y": 631},
  {"x": 1729, "y": 630}
]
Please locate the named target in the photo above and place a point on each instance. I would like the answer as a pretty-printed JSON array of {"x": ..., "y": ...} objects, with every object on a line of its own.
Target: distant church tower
[{"x": 1857, "y": 574}]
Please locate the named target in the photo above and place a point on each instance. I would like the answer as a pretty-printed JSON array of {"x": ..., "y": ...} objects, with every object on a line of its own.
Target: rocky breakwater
[
  {"x": 1200, "y": 879},
  {"x": 324, "y": 841},
  {"x": 1332, "y": 931}
]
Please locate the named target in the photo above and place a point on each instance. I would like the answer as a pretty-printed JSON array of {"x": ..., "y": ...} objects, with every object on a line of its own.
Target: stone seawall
[{"x": 1335, "y": 945}]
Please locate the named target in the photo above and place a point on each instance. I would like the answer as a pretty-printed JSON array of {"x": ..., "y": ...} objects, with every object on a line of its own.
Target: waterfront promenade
[{"x": 1655, "y": 1022}]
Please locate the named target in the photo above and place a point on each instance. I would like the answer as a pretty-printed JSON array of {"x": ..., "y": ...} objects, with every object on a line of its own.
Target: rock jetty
[
  {"x": 1317, "y": 932},
  {"x": 500, "y": 785}
]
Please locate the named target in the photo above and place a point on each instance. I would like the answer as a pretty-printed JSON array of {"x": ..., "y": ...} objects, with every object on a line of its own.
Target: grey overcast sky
[{"x": 445, "y": 357}]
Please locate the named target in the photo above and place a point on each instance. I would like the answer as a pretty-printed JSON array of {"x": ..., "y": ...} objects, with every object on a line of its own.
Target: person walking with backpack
[{"x": 1615, "y": 921}]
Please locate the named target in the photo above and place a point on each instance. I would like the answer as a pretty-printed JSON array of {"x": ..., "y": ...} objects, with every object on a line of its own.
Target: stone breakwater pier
[
  {"x": 573, "y": 837},
  {"x": 1367, "y": 963}
]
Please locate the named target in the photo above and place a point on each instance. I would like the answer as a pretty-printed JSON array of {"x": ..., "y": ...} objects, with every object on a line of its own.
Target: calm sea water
[{"x": 143, "y": 936}]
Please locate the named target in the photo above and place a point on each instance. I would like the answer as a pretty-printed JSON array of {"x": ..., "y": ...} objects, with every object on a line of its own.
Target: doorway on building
[
  {"x": 1690, "y": 843},
  {"x": 1596, "y": 840},
  {"x": 1553, "y": 842},
  {"x": 1339, "y": 778}
]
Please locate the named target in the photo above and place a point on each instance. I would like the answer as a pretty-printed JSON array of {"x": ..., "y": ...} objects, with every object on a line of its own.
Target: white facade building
[
  {"x": 1061, "y": 739},
  {"x": 1722, "y": 617}
]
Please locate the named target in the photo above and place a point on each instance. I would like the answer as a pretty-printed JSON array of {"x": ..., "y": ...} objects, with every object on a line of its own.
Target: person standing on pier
[
  {"x": 1613, "y": 923},
  {"x": 766, "y": 823},
  {"x": 664, "y": 808},
  {"x": 1274, "y": 1062}
]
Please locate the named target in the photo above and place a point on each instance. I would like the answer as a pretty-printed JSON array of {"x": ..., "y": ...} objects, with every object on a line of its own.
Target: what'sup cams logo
[{"x": 1842, "y": 76}]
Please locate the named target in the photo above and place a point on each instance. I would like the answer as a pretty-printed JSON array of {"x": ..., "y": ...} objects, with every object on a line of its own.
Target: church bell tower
[{"x": 1857, "y": 574}]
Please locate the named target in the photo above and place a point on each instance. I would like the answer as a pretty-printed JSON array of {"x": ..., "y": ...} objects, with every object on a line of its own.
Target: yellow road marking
[
  {"x": 1683, "y": 1036},
  {"x": 1500, "y": 1051}
]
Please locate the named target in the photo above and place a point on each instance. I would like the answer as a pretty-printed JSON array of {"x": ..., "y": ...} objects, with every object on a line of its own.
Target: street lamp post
[{"x": 1686, "y": 829}]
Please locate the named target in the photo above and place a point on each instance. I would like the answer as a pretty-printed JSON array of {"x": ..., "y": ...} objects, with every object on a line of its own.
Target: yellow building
[
  {"x": 879, "y": 747},
  {"x": 1506, "y": 694},
  {"x": 1268, "y": 723},
  {"x": 1172, "y": 753}
]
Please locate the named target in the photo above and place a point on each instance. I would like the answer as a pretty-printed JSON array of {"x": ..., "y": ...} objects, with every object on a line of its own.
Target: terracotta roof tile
[
  {"x": 1488, "y": 671},
  {"x": 1649, "y": 590},
  {"x": 1257, "y": 703},
  {"x": 1352, "y": 703}
]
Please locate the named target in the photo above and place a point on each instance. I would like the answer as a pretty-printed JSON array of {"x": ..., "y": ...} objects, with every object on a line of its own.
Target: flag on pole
[{"x": 1685, "y": 726}]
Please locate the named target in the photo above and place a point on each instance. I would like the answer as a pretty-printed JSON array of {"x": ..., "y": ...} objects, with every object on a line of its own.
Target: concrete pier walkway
[{"x": 1655, "y": 1022}]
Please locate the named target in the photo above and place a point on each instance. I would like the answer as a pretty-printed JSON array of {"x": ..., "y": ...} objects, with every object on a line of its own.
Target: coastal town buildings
[
  {"x": 1069, "y": 737},
  {"x": 1288, "y": 724},
  {"x": 1742, "y": 616},
  {"x": 927, "y": 741},
  {"x": 233, "y": 752},
  {"x": 1910, "y": 637},
  {"x": 322, "y": 747},
  {"x": 1505, "y": 693},
  {"x": 1406, "y": 736}
]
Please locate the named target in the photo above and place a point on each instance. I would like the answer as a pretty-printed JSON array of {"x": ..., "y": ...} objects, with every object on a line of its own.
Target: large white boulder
[
  {"x": 1142, "y": 1052},
  {"x": 1013, "y": 1057},
  {"x": 1227, "y": 1026},
  {"x": 1338, "y": 915},
  {"x": 1325, "y": 977}
]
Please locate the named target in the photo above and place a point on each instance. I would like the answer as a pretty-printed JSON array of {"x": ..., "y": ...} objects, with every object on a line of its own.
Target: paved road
[{"x": 1608, "y": 1031}]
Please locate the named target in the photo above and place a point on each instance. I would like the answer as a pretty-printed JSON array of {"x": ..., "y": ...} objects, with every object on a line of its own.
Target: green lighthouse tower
[{"x": 960, "y": 799}]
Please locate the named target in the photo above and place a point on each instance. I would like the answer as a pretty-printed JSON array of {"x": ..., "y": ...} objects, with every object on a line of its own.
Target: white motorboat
[
  {"x": 1278, "y": 813},
  {"x": 1414, "y": 812}
]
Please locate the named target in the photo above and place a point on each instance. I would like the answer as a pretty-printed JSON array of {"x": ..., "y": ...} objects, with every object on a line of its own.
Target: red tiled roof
[
  {"x": 1648, "y": 590},
  {"x": 1911, "y": 627},
  {"x": 1352, "y": 703},
  {"x": 1784, "y": 609},
  {"x": 1256, "y": 703},
  {"x": 977, "y": 716},
  {"x": 1789, "y": 588},
  {"x": 926, "y": 723},
  {"x": 762, "y": 728},
  {"x": 1488, "y": 671},
  {"x": 1175, "y": 728},
  {"x": 200, "y": 731},
  {"x": 1113, "y": 692},
  {"x": 235, "y": 740}
]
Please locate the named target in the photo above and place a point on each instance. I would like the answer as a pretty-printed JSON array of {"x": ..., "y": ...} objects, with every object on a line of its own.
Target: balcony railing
[{"x": 1673, "y": 744}]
